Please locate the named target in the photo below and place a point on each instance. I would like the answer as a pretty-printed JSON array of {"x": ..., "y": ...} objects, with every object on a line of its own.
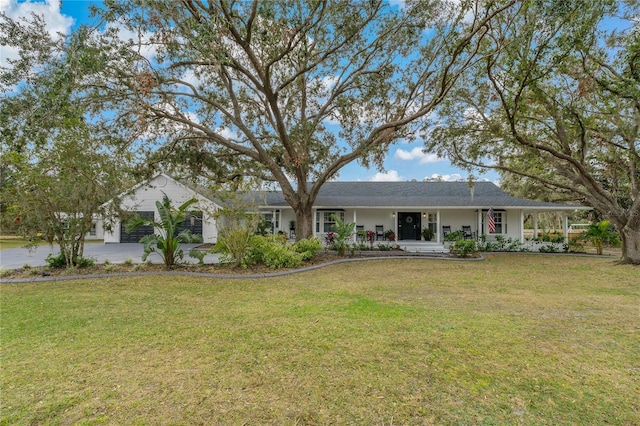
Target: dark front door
[{"x": 409, "y": 226}]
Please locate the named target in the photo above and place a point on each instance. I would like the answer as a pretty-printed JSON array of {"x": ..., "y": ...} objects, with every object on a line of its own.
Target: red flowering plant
[
  {"x": 329, "y": 239},
  {"x": 391, "y": 236},
  {"x": 371, "y": 237}
]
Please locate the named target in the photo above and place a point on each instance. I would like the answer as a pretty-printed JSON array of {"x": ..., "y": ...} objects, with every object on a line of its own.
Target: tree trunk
[
  {"x": 304, "y": 220},
  {"x": 630, "y": 236}
]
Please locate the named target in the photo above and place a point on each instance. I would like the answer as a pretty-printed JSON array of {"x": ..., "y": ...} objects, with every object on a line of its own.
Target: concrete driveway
[{"x": 115, "y": 253}]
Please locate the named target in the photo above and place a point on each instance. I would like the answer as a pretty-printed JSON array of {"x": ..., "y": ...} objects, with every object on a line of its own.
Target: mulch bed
[{"x": 115, "y": 268}]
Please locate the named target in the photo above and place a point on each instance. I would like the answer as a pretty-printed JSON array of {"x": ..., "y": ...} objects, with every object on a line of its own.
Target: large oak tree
[
  {"x": 557, "y": 107},
  {"x": 286, "y": 91}
]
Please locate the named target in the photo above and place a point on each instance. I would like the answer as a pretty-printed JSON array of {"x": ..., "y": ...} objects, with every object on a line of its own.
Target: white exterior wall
[
  {"x": 369, "y": 218},
  {"x": 456, "y": 219},
  {"x": 145, "y": 196}
]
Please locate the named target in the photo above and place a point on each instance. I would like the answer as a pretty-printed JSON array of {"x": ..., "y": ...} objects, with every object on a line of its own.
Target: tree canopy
[
  {"x": 285, "y": 91},
  {"x": 555, "y": 106}
]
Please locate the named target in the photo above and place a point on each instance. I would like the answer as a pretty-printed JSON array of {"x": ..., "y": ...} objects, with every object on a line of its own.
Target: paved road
[{"x": 114, "y": 253}]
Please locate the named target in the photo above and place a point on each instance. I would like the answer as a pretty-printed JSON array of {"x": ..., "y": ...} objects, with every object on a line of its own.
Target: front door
[{"x": 409, "y": 226}]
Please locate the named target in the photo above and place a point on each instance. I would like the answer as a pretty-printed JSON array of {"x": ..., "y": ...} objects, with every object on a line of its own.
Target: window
[
  {"x": 93, "y": 230},
  {"x": 272, "y": 219},
  {"x": 500, "y": 221},
  {"x": 324, "y": 221},
  {"x": 432, "y": 222}
]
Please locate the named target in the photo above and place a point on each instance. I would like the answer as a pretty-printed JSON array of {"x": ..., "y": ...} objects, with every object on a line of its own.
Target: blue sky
[{"x": 404, "y": 161}]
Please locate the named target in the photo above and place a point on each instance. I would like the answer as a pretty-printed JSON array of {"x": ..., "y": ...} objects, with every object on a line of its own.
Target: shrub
[
  {"x": 273, "y": 253},
  {"x": 341, "y": 235},
  {"x": 235, "y": 245},
  {"x": 198, "y": 254},
  {"x": 60, "y": 261},
  {"x": 463, "y": 248},
  {"x": 601, "y": 233},
  {"x": 549, "y": 249},
  {"x": 573, "y": 246},
  {"x": 5, "y": 272},
  {"x": 454, "y": 236},
  {"x": 308, "y": 247}
]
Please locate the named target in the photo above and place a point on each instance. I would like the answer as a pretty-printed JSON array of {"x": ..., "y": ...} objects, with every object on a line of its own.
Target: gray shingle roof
[{"x": 414, "y": 194}]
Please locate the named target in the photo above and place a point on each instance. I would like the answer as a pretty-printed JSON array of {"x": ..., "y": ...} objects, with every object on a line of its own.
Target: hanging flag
[{"x": 491, "y": 222}]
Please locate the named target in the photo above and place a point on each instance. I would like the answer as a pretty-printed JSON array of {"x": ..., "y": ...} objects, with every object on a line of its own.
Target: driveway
[{"x": 115, "y": 253}]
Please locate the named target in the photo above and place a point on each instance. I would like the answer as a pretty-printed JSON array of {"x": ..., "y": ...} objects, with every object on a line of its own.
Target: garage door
[
  {"x": 193, "y": 223},
  {"x": 137, "y": 233}
]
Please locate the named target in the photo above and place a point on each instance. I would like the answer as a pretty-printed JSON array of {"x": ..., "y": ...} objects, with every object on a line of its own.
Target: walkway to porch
[{"x": 422, "y": 246}]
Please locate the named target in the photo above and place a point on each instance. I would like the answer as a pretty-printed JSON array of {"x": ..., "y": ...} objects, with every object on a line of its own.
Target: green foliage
[
  {"x": 342, "y": 233},
  {"x": 310, "y": 62},
  {"x": 61, "y": 261},
  {"x": 454, "y": 236},
  {"x": 601, "y": 233},
  {"x": 274, "y": 253},
  {"x": 427, "y": 234},
  {"x": 548, "y": 248},
  {"x": 198, "y": 254},
  {"x": 167, "y": 243},
  {"x": 554, "y": 110},
  {"x": 573, "y": 246},
  {"x": 235, "y": 245},
  {"x": 501, "y": 244},
  {"x": 463, "y": 248},
  {"x": 308, "y": 247}
]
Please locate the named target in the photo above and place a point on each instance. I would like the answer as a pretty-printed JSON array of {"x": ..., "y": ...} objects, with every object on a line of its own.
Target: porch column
[
  {"x": 535, "y": 225},
  {"x": 565, "y": 219},
  {"x": 438, "y": 226},
  {"x": 479, "y": 224},
  {"x": 521, "y": 227},
  {"x": 274, "y": 215},
  {"x": 395, "y": 223},
  {"x": 314, "y": 212},
  {"x": 354, "y": 236}
]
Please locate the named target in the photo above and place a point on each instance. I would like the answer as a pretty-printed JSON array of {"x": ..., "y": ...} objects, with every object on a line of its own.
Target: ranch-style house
[{"x": 405, "y": 208}]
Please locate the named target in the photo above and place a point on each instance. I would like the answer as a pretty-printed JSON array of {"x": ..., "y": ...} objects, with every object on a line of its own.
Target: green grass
[{"x": 515, "y": 339}]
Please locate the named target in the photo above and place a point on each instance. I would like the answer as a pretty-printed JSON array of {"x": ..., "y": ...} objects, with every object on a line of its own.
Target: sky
[{"x": 404, "y": 161}]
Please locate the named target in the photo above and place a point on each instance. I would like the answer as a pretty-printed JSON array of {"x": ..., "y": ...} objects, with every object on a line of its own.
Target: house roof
[{"x": 416, "y": 194}]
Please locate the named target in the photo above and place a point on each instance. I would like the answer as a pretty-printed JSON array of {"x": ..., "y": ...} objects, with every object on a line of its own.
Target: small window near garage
[{"x": 93, "y": 231}]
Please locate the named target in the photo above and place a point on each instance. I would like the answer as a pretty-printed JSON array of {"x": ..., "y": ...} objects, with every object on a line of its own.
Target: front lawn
[{"x": 515, "y": 339}]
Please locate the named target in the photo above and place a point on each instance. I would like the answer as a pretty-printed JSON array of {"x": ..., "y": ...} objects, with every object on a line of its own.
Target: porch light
[
  {"x": 424, "y": 215},
  {"x": 393, "y": 215}
]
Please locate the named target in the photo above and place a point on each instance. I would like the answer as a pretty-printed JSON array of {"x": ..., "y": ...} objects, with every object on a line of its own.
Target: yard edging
[{"x": 230, "y": 276}]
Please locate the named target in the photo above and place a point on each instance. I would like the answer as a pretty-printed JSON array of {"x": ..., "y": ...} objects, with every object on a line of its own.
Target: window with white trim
[
  {"x": 500, "y": 219},
  {"x": 325, "y": 222}
]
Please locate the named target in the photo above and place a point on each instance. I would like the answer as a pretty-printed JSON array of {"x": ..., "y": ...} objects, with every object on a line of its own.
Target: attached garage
[
  {"x": 141, "y": 199},
  {"x": 136, "y": 234},
  {"x": 193, "y": 223}
]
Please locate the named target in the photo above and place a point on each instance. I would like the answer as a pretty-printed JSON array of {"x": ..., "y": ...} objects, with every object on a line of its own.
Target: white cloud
[
  {"x": 390, "y": 176},
  {"x": 417, "y": 154},
  {"x": 50, "y": 10},
  {"x": 445, "y": 178}
]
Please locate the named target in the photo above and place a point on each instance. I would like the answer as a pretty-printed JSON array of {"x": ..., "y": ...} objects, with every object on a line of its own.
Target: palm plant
[
  {"x": 342, "y": 232},
  {"x": 601, "y": 233},
  {"x": 166, "y": 243}
]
